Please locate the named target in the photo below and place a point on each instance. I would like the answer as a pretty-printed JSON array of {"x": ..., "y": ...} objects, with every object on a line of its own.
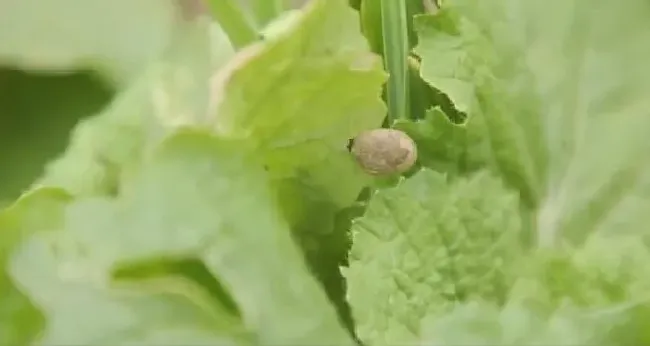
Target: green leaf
[
  {"x": 70, "y": 35},
  {"x": 171, "y": 92},
  {"x": 594, "y": 294},
  {"x": 191, "y": 198},
  {"x": 443, "y": 145},
  {"x": 480, "y": 323},
  {"x": 277, "y": 270},
  {"x": 322, "y": 233},
  {"x": 549, "y": 104},
  {"x": 561, "y": 104},
  {"x": 370, "y": 16},
  {"x": 300, "y": 96},
  {"x": 168, "y": 309},
  {"x": 442, "y": 263},
  {"x": 426, "y": 245},
  {"x": 605, "y": 271},
  {"x": 459, "y": 59},
  {"x": 41, "y": 109},
  {"x": 38, "y": 211},
  {"x": 296, "y": 100},
  {"x": 82, "y": 308}
]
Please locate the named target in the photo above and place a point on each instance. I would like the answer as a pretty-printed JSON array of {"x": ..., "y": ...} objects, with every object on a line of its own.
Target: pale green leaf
[
  {"x": 79, "y": 309},
  {"x": 480, "y": 323},
  {"x": 561, "y": 103},
  {"x": 594, "y": 294},
  {"x": 117, "y": 38},
  {"x": 300, "y": 96},
  {"x": 82, "y": 308},
  {"x": 459, "y": 59},
  {"x": 296, "y": 99},
  {"x": 321, "y": 229},
  {"x": 190, "y": 198},
  {"x": 39, "y": 211},
  {"x": 426, "y": 245},
  {"x": 557, "y": 108},
  {"x": 171, "y": 92}
]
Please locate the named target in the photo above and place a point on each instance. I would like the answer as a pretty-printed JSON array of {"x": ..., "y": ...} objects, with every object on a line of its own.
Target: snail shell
[{"x": 384, "y": 151}]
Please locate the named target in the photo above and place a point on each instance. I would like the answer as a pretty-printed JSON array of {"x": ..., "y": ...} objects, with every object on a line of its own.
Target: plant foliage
[{"x": 206, "y": 194}]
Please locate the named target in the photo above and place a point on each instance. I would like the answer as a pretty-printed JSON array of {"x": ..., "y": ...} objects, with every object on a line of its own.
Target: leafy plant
[{"x": 244, "y": 174}]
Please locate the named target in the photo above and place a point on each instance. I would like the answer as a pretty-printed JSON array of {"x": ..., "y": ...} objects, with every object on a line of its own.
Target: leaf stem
[
  {"x": 234, "y": 22},
  {"x": 394, "y": 20}
]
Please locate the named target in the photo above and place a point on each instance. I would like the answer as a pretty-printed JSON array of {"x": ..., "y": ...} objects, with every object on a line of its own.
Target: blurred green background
[
  {"x": 61, "y": 61},
  {"x": 37, "y": 112}
]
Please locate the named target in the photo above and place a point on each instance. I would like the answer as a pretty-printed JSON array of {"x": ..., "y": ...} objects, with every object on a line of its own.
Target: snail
[{"x": 383, "y": 152}]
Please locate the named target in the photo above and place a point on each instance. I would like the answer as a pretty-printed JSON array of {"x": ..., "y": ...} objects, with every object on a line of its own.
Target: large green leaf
[
  {"x": 442, "y": 263},
  {"x": 191, "y": 198},
  {"x": 481, "y": 323},
  {"x": 296, "y": 100},
  {"x": 301, "y": 95},
  {"x": 78, "y": 300},
  {"x": 45, "y": 47},
  {"x": 557, "y": 110},
  {"x": 595, "y": 294},
  {"x": 426, "y": 245},
  {"x": 460, "y": 59},
  {"x": 171, "y": 92},
  {"x": 82, "y": 308},
  {"x": 559, "y": 104},
  {"x": 40, "y": 109}
]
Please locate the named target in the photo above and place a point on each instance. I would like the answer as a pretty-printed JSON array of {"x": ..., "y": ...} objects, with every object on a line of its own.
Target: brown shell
[{"x": 384, "y": 151}]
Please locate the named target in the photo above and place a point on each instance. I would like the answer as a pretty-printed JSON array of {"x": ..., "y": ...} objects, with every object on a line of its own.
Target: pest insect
[{"x": 382, "y": 152}]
